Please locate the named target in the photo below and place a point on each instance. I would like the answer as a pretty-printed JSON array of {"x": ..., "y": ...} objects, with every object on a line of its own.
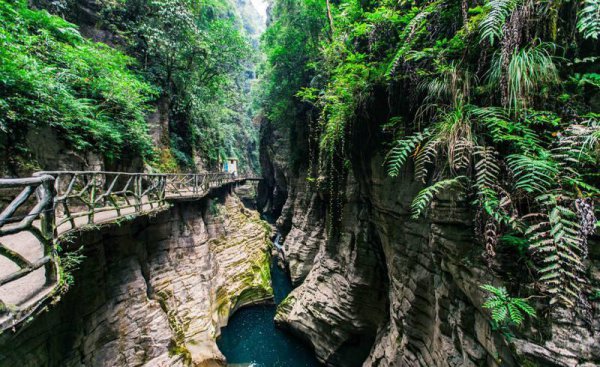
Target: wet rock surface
[{"x": 153, "y": 291}]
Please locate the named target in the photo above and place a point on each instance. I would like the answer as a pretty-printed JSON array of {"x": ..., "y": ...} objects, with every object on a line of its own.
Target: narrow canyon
[{"x": 299, "y": 183}]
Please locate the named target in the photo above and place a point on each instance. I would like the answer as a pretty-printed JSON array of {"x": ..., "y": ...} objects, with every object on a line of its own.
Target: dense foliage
[
  {"x": 291, "y": 45},
  {"x": 497, "y": 99},
  {"x": 51, "y": 76},
  {"x": 198, "y": 54},
  {"x": 189, "y": 62}
]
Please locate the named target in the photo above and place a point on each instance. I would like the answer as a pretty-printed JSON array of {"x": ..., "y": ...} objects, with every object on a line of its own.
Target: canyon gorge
[
  {"x": 338, "y": 182},
  {"x": 153, "y": 290}
]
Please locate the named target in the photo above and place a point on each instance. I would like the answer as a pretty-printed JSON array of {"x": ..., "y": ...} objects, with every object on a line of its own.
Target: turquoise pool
[{"x": 251, "y": 338}]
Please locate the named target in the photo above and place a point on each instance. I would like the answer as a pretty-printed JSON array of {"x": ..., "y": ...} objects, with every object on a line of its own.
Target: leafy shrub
[
  {"x": 589, "y": 19},
  {"x": 488, "y": 103},
  {"x": 51, "y": 76}
]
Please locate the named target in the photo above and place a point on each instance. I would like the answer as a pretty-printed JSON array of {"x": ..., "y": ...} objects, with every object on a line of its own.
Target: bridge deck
[{"x": 27, "y": 280}]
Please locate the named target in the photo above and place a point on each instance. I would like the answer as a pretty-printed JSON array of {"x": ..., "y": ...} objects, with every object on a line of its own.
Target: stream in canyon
[{"x": 251, "y": 338}]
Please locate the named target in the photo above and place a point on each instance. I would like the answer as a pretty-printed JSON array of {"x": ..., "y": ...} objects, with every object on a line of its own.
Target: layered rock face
[
  {"x": 342, "y": 301},
  {"x": 392, "y": 291},
  {"x": 274, "y": 153},
  {"x": 302, "y": 219},
  {"x": 154, "y": 290}
]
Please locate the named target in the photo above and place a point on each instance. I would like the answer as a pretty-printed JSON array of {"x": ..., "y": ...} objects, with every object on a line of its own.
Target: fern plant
[
  {"x": 503, "y": 130},
  {"x": 560, "y": 230},
  {"x": 487, "y": 168},
  {"x": 589, "y": 19},
  {"x": 487, "y": 173},
  {"x": 424, "y": 158},
  {"x": 425, "y": 196},
  {"x": 402, "y": 149},
  {"x": 532, "y": 174},
  {"x": 498, "y": 12},
  {"x": 451, "y": 136},
  {"x": 556, "y": 239},
  {"x": 506, "y": 310}
]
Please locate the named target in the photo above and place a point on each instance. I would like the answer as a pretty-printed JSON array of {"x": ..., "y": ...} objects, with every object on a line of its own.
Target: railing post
[
  {"x": 92, "y": 204},
  {"x": 163, "y": 189},
  {"x": 138, "y": 193},
  {"x": 47, "y": 192}
]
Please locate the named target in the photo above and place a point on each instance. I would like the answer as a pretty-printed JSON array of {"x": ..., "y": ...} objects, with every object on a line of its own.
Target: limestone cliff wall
[
  {"x": 392, "y": 291},
  {"x": 153, "y": 291},
  {"x": 273, "y": 153},
  {"x": 302, "y": 221}
]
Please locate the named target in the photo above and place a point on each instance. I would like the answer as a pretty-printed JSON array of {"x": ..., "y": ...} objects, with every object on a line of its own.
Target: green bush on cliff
[
  {"x": 290, "y": 44},
  {"x": 51, "y": 76},
  {"x": 189, "y": 59}
]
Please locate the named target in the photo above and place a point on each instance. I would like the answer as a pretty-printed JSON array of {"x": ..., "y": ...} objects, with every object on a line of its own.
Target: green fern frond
[
  {"x": 403, "y": 148},
  {"x": 589, "y": 19},
  {"x": 498, "y": 292},
  {"x": 505, "y": 309},
  {"x": 461, "y": 153},
  {"x": 493, "y": 302},
  {"x": 499, "y": 314},
  {"x": 532, "y": 174},
  {"x": 515, "y": 314},
  {"x": 503, "y": 130},
  {"x": 425, "y": 157},
  {"x": 557, "y": 239},
  {"x": 589, "y": 133},
  {"x": 495, "y": 204},
  {"x": 491, "y": 26},
  {"x": 577, "y": 145},
  {"x": 487, "y": 169},
  {"x": 425, "y": 196}
]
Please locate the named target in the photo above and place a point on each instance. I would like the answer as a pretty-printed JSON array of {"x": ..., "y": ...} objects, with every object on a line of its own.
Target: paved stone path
[{"x": 33, "y": 288}]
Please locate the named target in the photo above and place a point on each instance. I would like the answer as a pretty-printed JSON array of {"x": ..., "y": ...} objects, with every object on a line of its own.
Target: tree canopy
[
  {"x": 192, "y": 59},
  {"x": 52, "y": 76}
]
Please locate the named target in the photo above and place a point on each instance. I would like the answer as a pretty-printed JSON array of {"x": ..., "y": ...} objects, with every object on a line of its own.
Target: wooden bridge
[{"x": 38, "y": 210}]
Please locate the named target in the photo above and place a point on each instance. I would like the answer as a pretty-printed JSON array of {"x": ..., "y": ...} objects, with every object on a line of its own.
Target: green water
[{"x": 251, "y": 338}]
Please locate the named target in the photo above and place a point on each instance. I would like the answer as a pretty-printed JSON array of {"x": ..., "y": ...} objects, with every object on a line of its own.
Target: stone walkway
[{"x": 33, "y": 288}]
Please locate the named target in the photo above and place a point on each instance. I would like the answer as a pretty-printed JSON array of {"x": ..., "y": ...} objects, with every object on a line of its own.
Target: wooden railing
[
  {"x": 85, "y": 195},
  {"x": 19, "y": 216},
  {"x": 38, "y": 210}
]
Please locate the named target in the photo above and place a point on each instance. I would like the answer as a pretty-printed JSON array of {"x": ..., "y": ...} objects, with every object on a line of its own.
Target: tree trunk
[{"x": 330, "y": 17}]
